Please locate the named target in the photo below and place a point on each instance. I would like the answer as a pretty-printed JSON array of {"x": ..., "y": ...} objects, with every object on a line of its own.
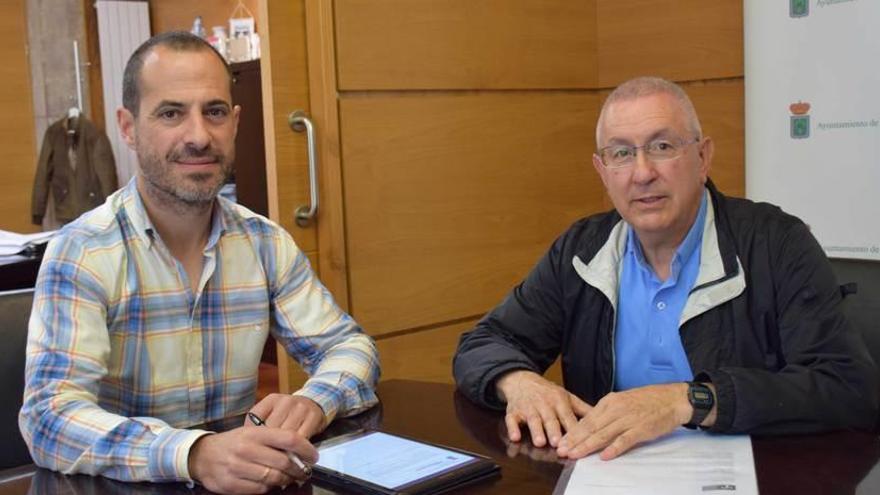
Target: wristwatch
[{"x": 702, "y": 399}]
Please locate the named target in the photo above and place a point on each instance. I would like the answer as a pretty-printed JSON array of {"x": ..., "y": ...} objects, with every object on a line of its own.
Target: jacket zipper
[{"x": 613, "y": 351}]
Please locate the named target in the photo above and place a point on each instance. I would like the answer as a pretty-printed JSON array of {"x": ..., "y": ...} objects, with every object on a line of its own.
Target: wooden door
[
  {"x": 464, "y": 150},
  {"x": 454, "y": 144},
  {"x": 285, "y": 88}
]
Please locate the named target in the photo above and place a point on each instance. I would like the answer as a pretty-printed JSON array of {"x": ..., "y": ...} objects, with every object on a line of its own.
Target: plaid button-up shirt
[{"x": 122, "y": 355}]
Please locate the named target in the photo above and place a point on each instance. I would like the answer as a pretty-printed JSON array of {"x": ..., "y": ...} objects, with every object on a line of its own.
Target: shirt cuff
[
  {"x": 169, "y": 454},
  {"x": 328, "y": 397}
]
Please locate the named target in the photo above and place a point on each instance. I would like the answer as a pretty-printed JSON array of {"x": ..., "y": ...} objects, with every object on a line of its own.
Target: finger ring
[{"x": 265, "y": 474}]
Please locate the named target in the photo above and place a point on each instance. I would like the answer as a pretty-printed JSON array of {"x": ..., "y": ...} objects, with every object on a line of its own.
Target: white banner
[{"x": 812, "y": 81}]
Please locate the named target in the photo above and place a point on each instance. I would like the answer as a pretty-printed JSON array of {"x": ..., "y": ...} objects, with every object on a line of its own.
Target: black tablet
[{"x": 376, "y": 462}]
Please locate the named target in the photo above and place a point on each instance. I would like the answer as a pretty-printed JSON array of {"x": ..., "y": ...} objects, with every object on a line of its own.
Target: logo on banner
[
  {"x": 800, "y": 121},
  {"x": 798, "y": 8}
]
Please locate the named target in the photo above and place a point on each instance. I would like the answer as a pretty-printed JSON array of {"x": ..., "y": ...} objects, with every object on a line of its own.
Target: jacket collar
[
  {"x": 603, "y": 270},
  {"x": 721, "y": 276},
  {"x": 719, "y": 279}
]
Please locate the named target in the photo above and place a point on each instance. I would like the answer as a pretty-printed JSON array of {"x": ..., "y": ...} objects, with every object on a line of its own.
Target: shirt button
[{"x": 661, "y": 305}]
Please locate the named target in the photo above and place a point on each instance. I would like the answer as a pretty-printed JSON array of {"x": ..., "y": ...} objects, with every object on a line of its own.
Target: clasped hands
[
  {"x": 253, "y": 459},
  {"x": 617, "y": 423}
]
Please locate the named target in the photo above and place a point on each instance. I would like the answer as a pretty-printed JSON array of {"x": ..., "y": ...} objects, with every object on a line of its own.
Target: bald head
[{"x": 648, "y": 86}]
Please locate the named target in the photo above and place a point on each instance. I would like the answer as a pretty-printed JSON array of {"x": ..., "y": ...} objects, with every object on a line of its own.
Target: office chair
[
  {"x": 15, "y": 310},
  {"x": 860, "y": 285}
]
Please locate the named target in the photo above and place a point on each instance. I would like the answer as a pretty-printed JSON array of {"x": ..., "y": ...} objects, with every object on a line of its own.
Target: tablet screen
[{"x": 387, "y": 460}]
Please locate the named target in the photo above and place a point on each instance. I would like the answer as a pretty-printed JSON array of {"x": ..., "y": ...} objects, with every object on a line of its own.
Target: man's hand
[
  {"x": 624, "y": 419},
  {"x": 290, "y": 412},
  {"x": 545, "y": 407},
  {"x": 249, "y": 460}
]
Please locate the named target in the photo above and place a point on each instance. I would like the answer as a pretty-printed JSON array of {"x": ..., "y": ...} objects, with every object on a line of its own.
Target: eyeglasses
[{"x": 658, "y": 150}]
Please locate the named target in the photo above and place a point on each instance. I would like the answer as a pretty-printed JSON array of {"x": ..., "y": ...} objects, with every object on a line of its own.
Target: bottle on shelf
[{"x": 198, "y": 29}]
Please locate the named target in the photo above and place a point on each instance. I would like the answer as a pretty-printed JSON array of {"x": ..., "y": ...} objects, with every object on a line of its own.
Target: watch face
[
  {"x": 702, "y": 399},
  {"x": 701, "y": 396}
]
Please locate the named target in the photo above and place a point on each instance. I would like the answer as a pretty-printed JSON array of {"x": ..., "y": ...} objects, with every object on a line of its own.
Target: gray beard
[
  {"x": 169, "y": 200},
  {"x": 178, "y": 199}
]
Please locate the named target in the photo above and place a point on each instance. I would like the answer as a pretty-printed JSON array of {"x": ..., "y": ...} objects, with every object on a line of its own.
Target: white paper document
[
  {"x": 682, "y": 462},
  {"x": 12, "y": 243}
]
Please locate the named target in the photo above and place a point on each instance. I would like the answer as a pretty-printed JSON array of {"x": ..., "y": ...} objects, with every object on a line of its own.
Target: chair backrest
[
  {"x": 15, "y": 310},
  {"x": 862, "y": 308}
]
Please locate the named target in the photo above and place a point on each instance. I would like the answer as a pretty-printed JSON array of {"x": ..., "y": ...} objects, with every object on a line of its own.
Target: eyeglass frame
[{"x": 683, "y": 143}]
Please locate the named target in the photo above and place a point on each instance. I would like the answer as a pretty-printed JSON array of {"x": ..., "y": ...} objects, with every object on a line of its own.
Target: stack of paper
[
  {"x": 684, "y": 461},
  {"x": 12, "y": 243}
]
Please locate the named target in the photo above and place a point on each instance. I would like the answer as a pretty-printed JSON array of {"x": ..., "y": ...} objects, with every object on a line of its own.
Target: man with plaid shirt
[{"x": 152, "y": 310}]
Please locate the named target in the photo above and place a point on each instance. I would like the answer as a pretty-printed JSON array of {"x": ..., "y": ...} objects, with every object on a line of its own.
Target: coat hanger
[
  {"x": 73, "y": 114},
  {"x": 74, "y": 111}
]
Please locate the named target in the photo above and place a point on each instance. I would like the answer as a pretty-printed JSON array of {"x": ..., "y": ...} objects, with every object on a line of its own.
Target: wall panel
[
  {"x": 462, "y": 44},
  {"x": 425, "y": 355},
  {"x": 17, "y": 125},
  {"x": 721, "y": 107},
  {"x": 675, "y": 39},
  {"x": 451, "y": 199}
]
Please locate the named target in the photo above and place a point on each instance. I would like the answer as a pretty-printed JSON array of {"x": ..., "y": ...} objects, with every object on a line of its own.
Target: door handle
[{"x": 298, "y": 122}]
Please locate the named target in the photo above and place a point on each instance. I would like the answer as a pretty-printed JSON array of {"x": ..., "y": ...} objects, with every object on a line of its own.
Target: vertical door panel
[{"x": 285, "y": 89}]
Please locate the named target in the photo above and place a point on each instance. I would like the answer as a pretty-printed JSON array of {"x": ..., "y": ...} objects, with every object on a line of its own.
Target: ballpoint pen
[{"x": 293, "y": 457}]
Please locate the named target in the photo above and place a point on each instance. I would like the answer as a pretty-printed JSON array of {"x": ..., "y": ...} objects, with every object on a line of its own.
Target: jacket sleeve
[
  {"x": 42, "y": 178},
  {"x": 828, "y": 380},
  {"x": 523, "y": 332},
  {"x": 68, "y": 351}
]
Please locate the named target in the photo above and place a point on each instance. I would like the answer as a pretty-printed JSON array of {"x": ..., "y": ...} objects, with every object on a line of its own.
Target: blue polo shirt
[{"x": 647, "y": 344}]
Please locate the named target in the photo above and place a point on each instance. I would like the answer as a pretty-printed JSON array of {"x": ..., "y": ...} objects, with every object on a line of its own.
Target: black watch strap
[{"x": 702, "y": 400}]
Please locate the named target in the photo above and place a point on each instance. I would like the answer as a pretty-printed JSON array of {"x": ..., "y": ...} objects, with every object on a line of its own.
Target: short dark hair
[{"x": 181, "y": 41}]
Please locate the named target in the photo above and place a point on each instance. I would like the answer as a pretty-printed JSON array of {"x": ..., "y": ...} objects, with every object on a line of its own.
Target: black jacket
[{"x": 762, "y": 323}]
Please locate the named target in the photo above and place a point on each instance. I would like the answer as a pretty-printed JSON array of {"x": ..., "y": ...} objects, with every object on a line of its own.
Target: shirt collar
[
  {"x": 685, "y": 250},
  {"x": 694, "y": 236},
  {"x": 137, "y": 214},
  {"x": 218, "y": 225}
]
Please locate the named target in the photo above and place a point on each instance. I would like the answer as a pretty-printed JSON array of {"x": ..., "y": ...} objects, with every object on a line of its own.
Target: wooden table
[{"x": 831, "y": 463}]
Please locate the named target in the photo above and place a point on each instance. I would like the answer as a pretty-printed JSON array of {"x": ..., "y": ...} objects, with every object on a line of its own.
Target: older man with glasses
[{"x": 679, "y": 307}]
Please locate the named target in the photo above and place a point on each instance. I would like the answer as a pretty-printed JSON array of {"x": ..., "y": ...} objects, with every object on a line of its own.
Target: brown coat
[{"x": 74, "y": 191}]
